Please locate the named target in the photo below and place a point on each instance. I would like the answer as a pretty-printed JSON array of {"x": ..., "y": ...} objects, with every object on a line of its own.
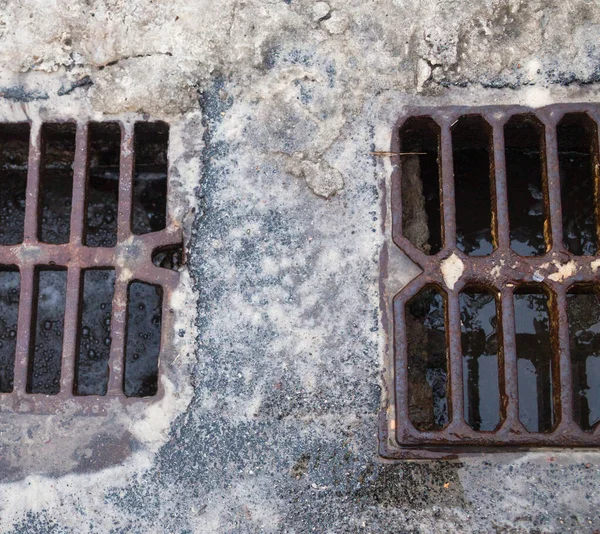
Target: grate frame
[
  {"x": 503, "y": 271},
  {"x": 131, "y": 258}
]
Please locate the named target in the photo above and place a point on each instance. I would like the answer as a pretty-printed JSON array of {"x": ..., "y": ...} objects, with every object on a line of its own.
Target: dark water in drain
[
  {"x": 14, "y": 152},
  {"x": 56, "y": 182},
  {"x": 94, "y": 333},
  {"x": 9, "y": 308},
  {"x": 472, "y": 156},
  {"x": 12, "y": 207},
  {"x": 144, "y": 321},
  {"x": 103, "y": 185},
  {"x": 421, "y": 203},
  {"x": 150, "y": 177},
  {"x": 534, "y": 361},
  {"x": 46, "y": 356},
  {"x": 584, "y": 336},
  {"x": 479, "y": 339},
  {"x": 524, "y": 177},
  {"x": 427, "y": 360},
  {"x": 577, "y": 150}
]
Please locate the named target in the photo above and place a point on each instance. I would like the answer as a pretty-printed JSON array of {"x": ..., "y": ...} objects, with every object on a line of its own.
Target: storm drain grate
[
  {"x": 88, "y": 259},
  {"x": 497, "y": 342}
]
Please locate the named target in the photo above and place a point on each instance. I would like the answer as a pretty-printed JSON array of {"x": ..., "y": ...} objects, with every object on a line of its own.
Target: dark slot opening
[
  {"x": 103, "y": 184},
  {"x": 472, "y": 154},
  {"x": 150, "y": 180},
  {"x": 14, "y": 154},
  {"x": 94, "y": 332},
  {"x": 525, "y": 178},
  {"x": 169, "y": 257},
  {"x": 10, "y": 285},
  {"x": 534, "y": 359},
  {"x": 428, "y": 405},
  {"x": 144, "y": 321},
  {"x": 480, "y": 348},
  {"x": 421, "y": 205},
  {"x": 48, "y": 317},
  {"x": 578, "y": 166},
  {"x": 583, "y": 305},
  {"x": 56, "y": 182}
]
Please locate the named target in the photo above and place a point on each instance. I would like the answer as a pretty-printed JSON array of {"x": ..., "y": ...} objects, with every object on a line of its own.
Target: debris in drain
[
  {"x": 88, "y": 260},
  {"x": 506, "y": 354}
]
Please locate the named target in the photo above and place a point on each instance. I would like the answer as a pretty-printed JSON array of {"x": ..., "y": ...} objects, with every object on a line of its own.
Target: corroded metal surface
[
  {"x": 131, "y": 258},
  {"x": 503, "y": 271}
]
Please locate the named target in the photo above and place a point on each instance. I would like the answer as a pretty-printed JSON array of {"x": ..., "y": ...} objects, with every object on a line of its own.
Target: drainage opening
[
  {"x": 144, "y": 321},
  {"x": 169, "y": 257},
  {"x": 92, "y": 370},
  {"x": 103, "y": 184},
  {"x": 535, "y": 358},
  {"x": 10, "y": 286},
  {"x": 421, "y": 206},
  {"x": 577, "y": 138},
  {"x": 472, "y": 155},
  {"x": 14, "y": 154},
  {"x": 56, "y": 182},
  {"x": 480, "y": 341},
  {"x": 526, "y": 184},
  {"x": 583, "y": 305},
  {"x": 427, "y": 359},
  {"x": 150, "y": 180},
  {"x": 48, "y": 331}
]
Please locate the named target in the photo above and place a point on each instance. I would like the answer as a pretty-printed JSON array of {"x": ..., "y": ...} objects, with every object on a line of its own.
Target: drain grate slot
[
  {"x": 421, "y": 210},
  {"x": 94, "y": 332},
  {"x": 526, "y": 183},
  {"x": 534, "y": 359},
  {"x": 48, "y": 320},
  {"x": 150, "y": 182},
  {"x": 578, "y": 165},
  {"x": 584, "y": 337},
  {"x": 472, "y": 157},
  {"x": 56, "y": 182},
  {"x": 103, "y": 184},
  {"x": 9, "y": 310},
  {"x": 480, "y": 350},
  {"x": 144, "y": 321},
  {"x": 497, "y": 342},
  {"x": 14, "y": 150}
]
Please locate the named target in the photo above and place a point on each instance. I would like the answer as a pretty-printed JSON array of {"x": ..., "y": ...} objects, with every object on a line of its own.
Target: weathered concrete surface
[{"x": 280, "y": 432}]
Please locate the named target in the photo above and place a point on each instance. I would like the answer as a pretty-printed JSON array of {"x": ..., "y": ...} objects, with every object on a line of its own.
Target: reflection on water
[
  {"x": 534, "y": 359},
  {"x": 584, "y": 336},
  {"x": 427, "y": 360},
  {"x": 479, "y": 338},
  {"x": 576, "y": 147},
  {"x": 472, "y": 156},
  {"x": 524, "y": 174}
]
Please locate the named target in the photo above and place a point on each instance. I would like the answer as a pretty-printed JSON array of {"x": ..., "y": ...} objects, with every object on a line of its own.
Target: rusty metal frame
[
  {"x": 503, "y": 270},
  {"x": 131, "y": 258}
]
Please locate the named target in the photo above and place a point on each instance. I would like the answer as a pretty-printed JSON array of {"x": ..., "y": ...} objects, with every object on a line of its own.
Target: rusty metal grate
[
  {"x": 499, "y": 208},
  {"x": 85, "y": 276}
]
